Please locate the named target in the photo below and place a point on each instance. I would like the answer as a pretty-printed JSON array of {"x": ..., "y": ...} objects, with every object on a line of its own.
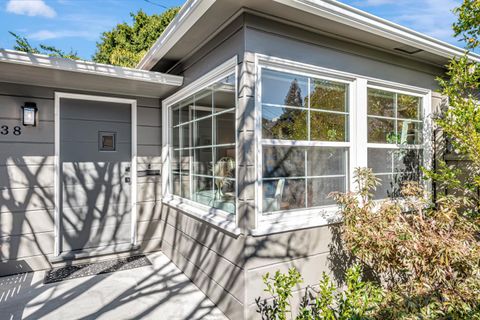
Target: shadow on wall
[
  {"x": 18, "y": 252},
  {"x": 26, "y": 207}
]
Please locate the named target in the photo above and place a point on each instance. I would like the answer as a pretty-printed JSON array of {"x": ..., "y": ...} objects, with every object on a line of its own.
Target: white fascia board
[
  {"x": 87, "y": 67},
  {"x": 345, "y": 14},
  {"x": 188, "y": 15}
]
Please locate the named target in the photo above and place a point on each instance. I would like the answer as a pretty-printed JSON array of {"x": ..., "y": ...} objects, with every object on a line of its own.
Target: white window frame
[
  {"x": 357, "y": 145},
  {"x": 214, "y": 216}
]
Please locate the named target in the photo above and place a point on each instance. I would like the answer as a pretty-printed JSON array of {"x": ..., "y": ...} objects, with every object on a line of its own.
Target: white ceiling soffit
[{"x": 193, "y": 10}]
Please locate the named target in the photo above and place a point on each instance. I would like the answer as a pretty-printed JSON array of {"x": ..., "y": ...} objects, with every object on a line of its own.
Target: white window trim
[
  {"x": 216, "y": 217},
  {"x": 267, "y": 223}
]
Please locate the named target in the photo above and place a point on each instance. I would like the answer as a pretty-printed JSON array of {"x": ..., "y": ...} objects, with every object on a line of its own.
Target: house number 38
[{"x": 4, "y": 130}]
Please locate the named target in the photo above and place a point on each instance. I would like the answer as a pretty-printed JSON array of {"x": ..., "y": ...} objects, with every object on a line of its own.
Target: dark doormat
[{"x": 91, "y": 269}]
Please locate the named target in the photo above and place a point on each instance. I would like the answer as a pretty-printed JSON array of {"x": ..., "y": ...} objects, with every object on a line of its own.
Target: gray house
[{"x": 220, "y": 150}]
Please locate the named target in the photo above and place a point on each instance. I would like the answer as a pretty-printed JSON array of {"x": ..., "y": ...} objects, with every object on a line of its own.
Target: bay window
[
  {"x": 304, "y": 140},
  {"x": 314, "y": 128},
  {"x": 203, "y": 146}
]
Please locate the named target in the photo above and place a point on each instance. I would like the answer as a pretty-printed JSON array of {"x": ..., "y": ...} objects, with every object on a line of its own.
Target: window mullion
[
  {"x": 359, "y": 125},
  {"x": 214, "y": 142},
  {"x": 192, "y": 128}
]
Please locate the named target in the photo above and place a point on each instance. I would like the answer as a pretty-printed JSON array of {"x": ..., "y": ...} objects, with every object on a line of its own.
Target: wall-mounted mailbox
[{"x": 148, "y": 172}]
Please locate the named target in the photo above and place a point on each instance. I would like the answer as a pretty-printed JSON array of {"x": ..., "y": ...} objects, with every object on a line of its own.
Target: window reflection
[
  {"x": 203, "y": 141},
  {"x": 302, "y": 177}
]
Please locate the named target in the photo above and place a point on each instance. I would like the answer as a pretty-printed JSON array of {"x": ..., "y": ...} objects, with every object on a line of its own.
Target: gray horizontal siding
[
  {"x": 42, "y": 133},
  {"x": 26, "y": 199},
  {"x": 221, "y": 297},
  {"x": 222, "y": 271},
  {"x": 229, "y": 247},
  {"x": 48, "y": 93},
  {"x": 24, "y": 176},
  {"x": 27, "y": 173},
  {"x": 26, "y": 153},
  {"x": 26, "y": 245},
  {"x": 277, "y": 39},
  {"x": 26, "y": 222},
  {"x": 310, "y": 268},
  {"x": 45, "y": 106}
]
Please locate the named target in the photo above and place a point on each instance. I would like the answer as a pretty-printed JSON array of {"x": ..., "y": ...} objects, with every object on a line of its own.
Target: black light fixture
[{"x": 29, "y": 114}]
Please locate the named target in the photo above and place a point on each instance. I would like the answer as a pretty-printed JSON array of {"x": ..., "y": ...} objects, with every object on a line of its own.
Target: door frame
[{"x": 57, "y": 162}]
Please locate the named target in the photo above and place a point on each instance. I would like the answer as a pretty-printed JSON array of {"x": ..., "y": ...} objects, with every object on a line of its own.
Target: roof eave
[
  {"x": 193, "y": 10},
  {"x": 86, "y": 67}
]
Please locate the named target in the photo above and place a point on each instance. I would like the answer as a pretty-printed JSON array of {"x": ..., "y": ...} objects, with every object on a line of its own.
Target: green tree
[
  {"x": 22, "y": 44},
  {"x": 460, "y": 120},
  {"x": 126, "y": 44}
]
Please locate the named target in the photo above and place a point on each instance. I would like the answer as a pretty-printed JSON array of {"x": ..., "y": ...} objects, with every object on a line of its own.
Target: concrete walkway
[{"x": 160, "y": 291}]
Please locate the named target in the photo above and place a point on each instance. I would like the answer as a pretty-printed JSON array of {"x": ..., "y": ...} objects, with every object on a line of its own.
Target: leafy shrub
[
  {"x": 280, "y": 288},
  {"x": 359, "y": 300},
  {"x": 427, "y": 256}
]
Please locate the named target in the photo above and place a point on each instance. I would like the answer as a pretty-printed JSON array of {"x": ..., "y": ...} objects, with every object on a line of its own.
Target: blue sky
[{"x": 77, "y": 24}]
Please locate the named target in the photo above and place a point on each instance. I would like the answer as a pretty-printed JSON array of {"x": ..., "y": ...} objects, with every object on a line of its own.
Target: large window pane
[
  {"x": 185, "y": 135},
  {"x": 225, "y": 127},
  {"x": 326, "y": 161},
  {"x": 394, "y": 167},
  {"x": 203, "y": 104},
  {"x": 327, "y": 126},
  {"x": 328, "y": 95},
  {"x": 381, "y": 160},
  {"x": 283, "y": 88},
  {"x": 381, "y": 103},
  {"x": 203, "y": 132},
  {"x": 410, "y": 132},
  {"x": 409, "y": 107},
  {"x": 224, "y": 162},
  {"x": 224, "y": 190},
  {"x": 185, "y": 110},
  {"x": 280, "y": 161},
  {"x": 409, "y": 161},
  {"x": 391, "y": 184},
  {"x": 394, "y": 118},
  {"x": 283, "y": 194},
  {"x": 284, "y": 123},
  {"x": 202, "y": 170},
  {"x": 319, "y": 190},
  {"x": 224, "y": 95},
  {"x": 297, "y": 177},
  {"x": 175, "y": 161},
  {"x": 176, "y": 190},
  {"x": 381, "y": 130},
  {"x": 203, "y": 190},
  {"x": 203, "y": 161}
]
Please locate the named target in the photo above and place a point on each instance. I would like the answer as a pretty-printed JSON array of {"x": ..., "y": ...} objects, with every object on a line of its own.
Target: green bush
[
  {"x": 427, "y": 256},
  {"x": 359, "y": 300}
]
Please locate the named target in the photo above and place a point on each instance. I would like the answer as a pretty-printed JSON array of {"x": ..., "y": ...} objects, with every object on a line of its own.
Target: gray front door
[{"x": 95, "y": 165}]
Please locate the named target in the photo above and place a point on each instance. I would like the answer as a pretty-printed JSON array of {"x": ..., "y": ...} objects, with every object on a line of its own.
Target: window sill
[
  {"x": 297, "y": 221},
  {"x": 210, "y": 216}
]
